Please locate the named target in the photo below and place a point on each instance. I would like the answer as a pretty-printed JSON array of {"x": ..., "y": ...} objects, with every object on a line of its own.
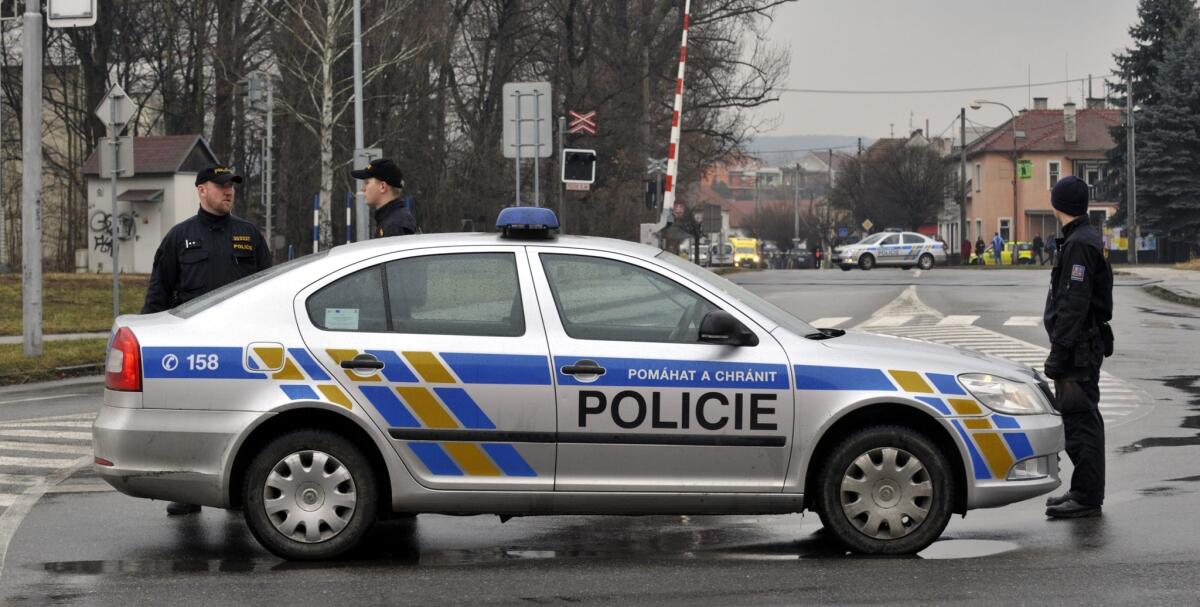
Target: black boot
[
  {"x": 1073, "y": 509},
  {"x": 177, "y": 508}
]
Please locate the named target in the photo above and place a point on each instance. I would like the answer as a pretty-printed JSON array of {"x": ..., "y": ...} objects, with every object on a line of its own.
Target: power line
[
  {"x": 975, "y": 89},
  {"x": 820, "y": 149}
]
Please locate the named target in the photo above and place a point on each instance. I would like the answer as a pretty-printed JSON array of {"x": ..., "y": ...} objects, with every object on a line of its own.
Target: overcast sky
[{"x": 936, "y": 44}]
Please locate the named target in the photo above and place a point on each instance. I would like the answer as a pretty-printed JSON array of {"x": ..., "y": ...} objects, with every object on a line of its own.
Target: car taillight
[{"x": 123, "y": 369}]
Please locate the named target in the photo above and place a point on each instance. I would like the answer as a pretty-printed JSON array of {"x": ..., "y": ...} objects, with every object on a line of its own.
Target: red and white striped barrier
[{"x": 673, "y": 150}]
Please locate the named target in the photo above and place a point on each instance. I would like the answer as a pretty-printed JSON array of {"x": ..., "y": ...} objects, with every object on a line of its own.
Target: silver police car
[
  {"x": 902, "y": 249},
  {"x": 526, "y": 374}
]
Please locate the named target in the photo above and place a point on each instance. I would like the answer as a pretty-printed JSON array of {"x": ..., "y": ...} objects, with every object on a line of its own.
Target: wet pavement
[{"x": 84, "y": 545}]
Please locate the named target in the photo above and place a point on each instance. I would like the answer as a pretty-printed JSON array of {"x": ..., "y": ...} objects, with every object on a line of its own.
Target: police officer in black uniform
[
  {"x": 209, "y": 250},
  {"x": 1078, "y": 309},
  {"x": 382, "y": 186}
]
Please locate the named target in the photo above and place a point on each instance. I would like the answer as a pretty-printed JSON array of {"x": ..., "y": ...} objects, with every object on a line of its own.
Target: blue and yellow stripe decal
[{"x": 994, "y": 442}]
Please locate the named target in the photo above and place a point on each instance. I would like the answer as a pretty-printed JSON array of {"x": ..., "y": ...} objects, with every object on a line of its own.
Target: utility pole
[
  {"x": 360, "y": 201},
  {"x": 267, "y": 174},
  {"x": 796, "y": 205},
  {"x": 31, "y": 180},
  {"x": 1131, "y": 227},
  {"x": 562, "y": 187},
  {"x": 962, "y": 177}
]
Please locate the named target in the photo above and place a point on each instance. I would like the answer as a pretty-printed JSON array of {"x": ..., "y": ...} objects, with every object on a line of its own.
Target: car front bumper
[
  {"x": 169, "y": 454},
  {"x": 1044, "y": 437}
]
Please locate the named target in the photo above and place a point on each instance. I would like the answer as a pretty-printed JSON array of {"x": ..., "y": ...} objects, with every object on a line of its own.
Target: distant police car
[
  {"x": 526, "y": 374},
  {"x": 903, "y": 249}
]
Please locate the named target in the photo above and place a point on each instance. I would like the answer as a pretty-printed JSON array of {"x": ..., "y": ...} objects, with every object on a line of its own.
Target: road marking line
[
  {"x": 829, "y": 322},
  {"x": 46, "y": 448},
  {"x": 35, "y": 462},
  {"x": 45, "y": 434},
  {"x": 87, "y": 425},
  {"x": 957, "y": 321},
  {"x": 39, "y": 398},
  {"x": 1023, "y": 321},
  {"x": 19, "y": 479},
  {"x": 14, "y": 514},
  {"x": 887, "y": 321}
]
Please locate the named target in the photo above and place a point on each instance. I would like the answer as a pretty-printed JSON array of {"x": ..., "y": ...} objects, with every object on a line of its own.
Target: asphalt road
[{"x": 80, "y": 544}]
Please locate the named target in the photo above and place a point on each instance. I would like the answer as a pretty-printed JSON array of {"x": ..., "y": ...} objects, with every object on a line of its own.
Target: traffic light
[
  {"x": 579, "y": 166},
  {"x": 650, "y": 187}
]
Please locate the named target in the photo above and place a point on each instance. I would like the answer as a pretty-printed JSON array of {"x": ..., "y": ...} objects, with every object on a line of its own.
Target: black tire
[
  {"x": 905, "y": 444},
  {"x": 867, "y": 261},
  {"x": 905, "y": 267},
  {"x": 363, "y": 484},
  {"x": 845, "y": 268},
  {"x": 925, "y": 262}
]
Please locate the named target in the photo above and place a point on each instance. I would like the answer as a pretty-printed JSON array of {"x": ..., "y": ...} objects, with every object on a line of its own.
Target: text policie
[{"x": 712, "y": 411}]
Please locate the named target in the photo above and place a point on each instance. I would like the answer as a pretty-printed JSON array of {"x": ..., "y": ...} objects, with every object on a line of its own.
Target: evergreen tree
[
  {"x": 1159, "y": 22},
  {"x": 1168, "y": 140}
]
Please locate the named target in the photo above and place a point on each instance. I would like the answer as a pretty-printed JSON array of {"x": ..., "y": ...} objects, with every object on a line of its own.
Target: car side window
[
  {"x": 456, "y": 294},
  {"x": 605, "y": 299},
  {"x": 913, "y": 239},
  {"x": 893, "y": 239},
  {"x": 351, "y": 303}
]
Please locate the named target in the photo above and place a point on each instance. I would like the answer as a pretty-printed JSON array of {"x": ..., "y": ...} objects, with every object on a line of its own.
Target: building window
[
  {"x": 978, "y": 227},
  {"x": 978, "y": 177},
  {"x": 1098, "y": 217},
  {"x": 1054, "y": 169},
  {"x": 1006, "y": 229}
]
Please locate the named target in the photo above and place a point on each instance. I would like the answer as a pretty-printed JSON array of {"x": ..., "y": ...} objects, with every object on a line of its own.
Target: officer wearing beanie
[
  {"x": 382, "y": 185},
  {"x": 1078, "y": 309}
]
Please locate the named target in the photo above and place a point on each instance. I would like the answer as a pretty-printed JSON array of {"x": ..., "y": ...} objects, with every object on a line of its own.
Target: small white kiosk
[{"x": 161, "y": 193}]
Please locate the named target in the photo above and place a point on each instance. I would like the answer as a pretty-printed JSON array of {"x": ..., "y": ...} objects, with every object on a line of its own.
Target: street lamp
[{"x": 978, "y": 103}]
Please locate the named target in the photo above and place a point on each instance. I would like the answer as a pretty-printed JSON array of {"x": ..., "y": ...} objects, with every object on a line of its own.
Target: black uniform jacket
[
  {"x": 1080, "y": 297},
  {"x": 201, "y": 254},
  {"x": 392, "y": 219}
]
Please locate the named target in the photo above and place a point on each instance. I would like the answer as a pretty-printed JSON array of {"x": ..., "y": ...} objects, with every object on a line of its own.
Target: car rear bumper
[{"x": 175, "y": 455}]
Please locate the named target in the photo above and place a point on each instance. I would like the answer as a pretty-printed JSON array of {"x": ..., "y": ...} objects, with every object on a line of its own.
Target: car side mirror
[{"x": 720, "y": 327}]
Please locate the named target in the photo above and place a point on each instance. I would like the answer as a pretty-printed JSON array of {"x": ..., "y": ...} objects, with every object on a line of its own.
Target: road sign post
[
  {"x": 115, "y": 111},
  {"x": 521, "y": 127},
  {"x": 583, "y": 122},
  {"x": 867, "y": 225}
]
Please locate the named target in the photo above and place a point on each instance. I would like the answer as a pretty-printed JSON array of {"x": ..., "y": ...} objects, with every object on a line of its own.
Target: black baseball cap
[
  {"x": 382, "y": 169},
  {"x": 219, "y": 175}
]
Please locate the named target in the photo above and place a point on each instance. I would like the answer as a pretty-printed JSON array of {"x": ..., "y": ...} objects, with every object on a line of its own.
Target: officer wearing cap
[
  {"x": 382, "y": 185},
  {"x": 1078, "y": 309},
  {"x": 208, "y": 250}
]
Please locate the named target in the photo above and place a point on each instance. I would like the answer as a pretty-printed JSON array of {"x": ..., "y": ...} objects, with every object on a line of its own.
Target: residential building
[{"x": 1056, "y": 143}]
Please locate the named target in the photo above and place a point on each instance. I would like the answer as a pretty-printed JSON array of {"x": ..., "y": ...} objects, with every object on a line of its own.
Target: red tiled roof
[
  {"x": 159, "y": 154},
  {"x": 1044, "y": 132}
]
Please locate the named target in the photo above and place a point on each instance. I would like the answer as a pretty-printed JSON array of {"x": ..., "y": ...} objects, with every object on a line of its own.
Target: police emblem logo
[{"x": 1077, "y": 272}]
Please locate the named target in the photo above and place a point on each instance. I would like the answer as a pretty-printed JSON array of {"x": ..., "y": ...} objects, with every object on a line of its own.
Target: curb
[
  {"x": 59, "y": 383},
  {"x": 1166, "y": 293}
]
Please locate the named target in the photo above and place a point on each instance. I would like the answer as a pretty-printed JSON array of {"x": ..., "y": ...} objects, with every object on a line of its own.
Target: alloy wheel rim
[
  {"x": 886, "y": 493},
  {"x": 309, "y": 496}
]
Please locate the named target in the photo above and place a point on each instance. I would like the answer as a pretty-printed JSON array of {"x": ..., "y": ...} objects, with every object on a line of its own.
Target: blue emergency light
[{"x": 527, "y": 222}]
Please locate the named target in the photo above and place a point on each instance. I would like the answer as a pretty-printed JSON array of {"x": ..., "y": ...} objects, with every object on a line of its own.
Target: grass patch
[
  {"x": 59, "y": 359},
  {"x": 1189, "y": 265},
  {"x": 71, "y": 303}
]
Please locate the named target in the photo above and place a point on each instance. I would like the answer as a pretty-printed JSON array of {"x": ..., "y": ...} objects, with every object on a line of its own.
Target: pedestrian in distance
[
  {"x": 205, "y": 252},
  {"x": 817, "y": 254},
  {"x": 1051, "y": 249},
  {"x": 1037, "y": 249},
  {"x": 1078, "y": 308},
  {"x": 997, "y": 247},
  {"x": 383, "y": 184},
  {"x": 965, "y": 249},
  {"x": 979, "y": 249}
]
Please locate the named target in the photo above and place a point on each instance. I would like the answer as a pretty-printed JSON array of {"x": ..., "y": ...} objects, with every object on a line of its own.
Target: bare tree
[{"x": 316, "y": 38}]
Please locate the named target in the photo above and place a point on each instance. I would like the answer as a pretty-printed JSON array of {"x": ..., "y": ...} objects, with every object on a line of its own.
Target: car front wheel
[
  {"x": 925, "y": 262},
  {"x": 886, "y": 490},
  {"x": 866, "y": 262},
  {"x": 310, "y": 495}
]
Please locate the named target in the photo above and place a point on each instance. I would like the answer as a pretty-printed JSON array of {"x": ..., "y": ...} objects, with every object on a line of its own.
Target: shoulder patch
[{"x": 1078, "y": 272}]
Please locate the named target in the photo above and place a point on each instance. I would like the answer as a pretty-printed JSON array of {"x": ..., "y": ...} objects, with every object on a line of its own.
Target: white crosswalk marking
[
  {"x": 907, "y": 316},
  {"x": 957, "y": 321},
  {"x": 1023, "y": 321},
  {"x": 33, "y": 449},
  {"x": 829, "y": 322}
]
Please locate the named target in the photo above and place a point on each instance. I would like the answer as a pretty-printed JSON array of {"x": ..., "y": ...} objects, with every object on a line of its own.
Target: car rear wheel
[
  {"x": 866, "y": 262},
  {"x": 886, "y": 490},
  {"x": 310, "y": 495},
  {"x": 925, "y": 262}
]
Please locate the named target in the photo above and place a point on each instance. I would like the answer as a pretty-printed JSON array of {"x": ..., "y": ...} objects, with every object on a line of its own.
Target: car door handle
[
  {"x": 363, "y": 361},
  {"x": 583, "y": 367}
]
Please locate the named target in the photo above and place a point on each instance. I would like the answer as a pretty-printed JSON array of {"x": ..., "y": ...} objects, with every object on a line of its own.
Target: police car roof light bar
[{"x": 528, "y": 222}]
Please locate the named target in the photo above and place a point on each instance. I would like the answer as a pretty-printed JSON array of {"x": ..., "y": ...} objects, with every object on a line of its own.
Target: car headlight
[{"x": 1005, "y": 396}]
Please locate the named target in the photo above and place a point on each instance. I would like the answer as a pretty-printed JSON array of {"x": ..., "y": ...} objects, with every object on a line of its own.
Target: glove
[{"x": 1053, "y": 368}]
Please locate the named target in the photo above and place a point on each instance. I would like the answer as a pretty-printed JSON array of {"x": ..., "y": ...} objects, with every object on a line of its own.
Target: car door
[
  {"x": 445, "y": 350},
  {"x": 914, "y": 245},
  {"x": 890, "y": 250},
  {"x": 642, "y": 404}
]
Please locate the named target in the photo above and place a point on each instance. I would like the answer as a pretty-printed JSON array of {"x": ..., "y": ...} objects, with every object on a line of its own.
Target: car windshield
[
  {"x": 745, "y": 249},
  {"x": 773, "y": 312},
  {"x": 873, "y": 238},
  {"x": 216, "y": 296}
]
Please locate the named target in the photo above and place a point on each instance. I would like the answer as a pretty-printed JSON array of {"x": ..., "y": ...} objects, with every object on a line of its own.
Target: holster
[{"x": 1107, "y": 338}]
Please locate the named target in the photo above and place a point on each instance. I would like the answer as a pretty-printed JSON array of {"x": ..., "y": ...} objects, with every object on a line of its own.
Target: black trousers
[{"x": 1079, "y": 402}]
